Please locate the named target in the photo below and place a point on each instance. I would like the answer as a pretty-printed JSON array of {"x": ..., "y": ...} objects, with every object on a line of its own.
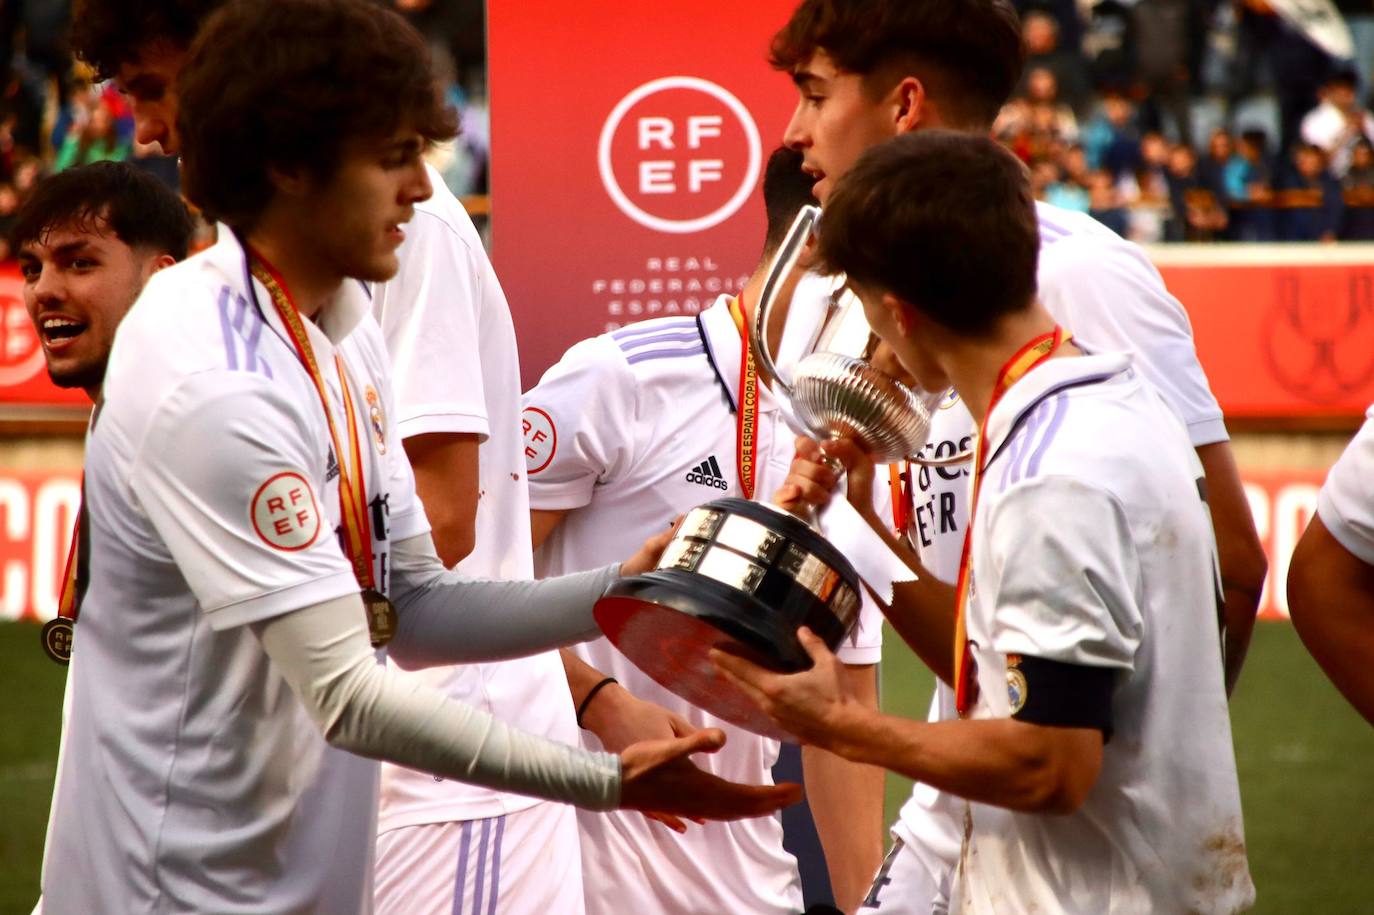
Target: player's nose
[{"x": 795, "y": 136}]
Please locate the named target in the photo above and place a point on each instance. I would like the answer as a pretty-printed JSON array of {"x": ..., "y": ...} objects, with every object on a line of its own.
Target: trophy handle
[{"x": 783, "y": 263}]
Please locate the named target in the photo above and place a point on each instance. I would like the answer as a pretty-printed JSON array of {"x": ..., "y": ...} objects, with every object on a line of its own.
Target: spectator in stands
[
  {"x": 1338, "y": 122},
  {"x": 1211, "y": 169},
  {"x": 1195, "y": 214},
  {"x": 1248, "y": 184},
  {"x": 1358, "y": 186},
  {"x": 94, "y": 141},
  {"x": 1145, "y": 191},
  {"x": 1041, "y": 33},
  {"x": 1104, "y": 203},
  {"x": 1112, "y": 140},
  {"x": 1311, "y": 204},
  {"x": 1071, "y": 190}
]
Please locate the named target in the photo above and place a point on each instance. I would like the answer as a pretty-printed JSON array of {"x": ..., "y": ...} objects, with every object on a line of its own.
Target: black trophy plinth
[{"x": 740, "y": 576}]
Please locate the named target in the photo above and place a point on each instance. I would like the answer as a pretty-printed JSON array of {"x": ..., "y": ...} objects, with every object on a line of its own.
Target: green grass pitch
[{"x": 1306, "y": 766}]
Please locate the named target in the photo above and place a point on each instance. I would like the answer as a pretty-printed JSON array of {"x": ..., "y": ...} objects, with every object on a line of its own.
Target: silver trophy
[{"x": 834, "y": 389}]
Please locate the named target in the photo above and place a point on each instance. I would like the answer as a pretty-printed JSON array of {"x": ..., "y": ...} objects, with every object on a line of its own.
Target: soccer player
[
  {"x": 868, "y": 70},
  {"x": 1331, "y": 576},
  {"x": 88, "y": 240},
  {"x": 252, "y": 520},
  {"x": 648, "y": 425},
  {"x": 450, "y": 337},
  {"x": 1094, "y": 744}
]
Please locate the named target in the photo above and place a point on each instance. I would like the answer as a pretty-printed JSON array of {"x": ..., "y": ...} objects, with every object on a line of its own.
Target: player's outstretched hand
[
  {"x": 658, "y": 776},
  {"x": 620, "y": 720},
  {"x": 815, "y": 704},
  {"x": 646, "y": 557},
  {"x": 815, "y": 472}
]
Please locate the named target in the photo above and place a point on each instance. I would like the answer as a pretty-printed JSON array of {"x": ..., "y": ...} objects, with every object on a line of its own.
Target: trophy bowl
[
  {"x": 843, "y": 395},
  {"x": 740, "y": 576}
]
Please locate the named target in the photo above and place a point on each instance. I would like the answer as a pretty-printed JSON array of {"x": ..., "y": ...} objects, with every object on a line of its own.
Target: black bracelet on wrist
[{"x": 591, "y": 694}]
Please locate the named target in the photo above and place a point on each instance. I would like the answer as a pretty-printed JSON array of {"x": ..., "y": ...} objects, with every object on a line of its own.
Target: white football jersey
[
  {"x": 455, "y": 369},
  {"x": 1105, "y": 291},
  {"x": 192, "y": 778},
  {"x": 628, "y": 431},
  {"x": 1346, "y": 501},
  {"x": 1092, "y": 546}
]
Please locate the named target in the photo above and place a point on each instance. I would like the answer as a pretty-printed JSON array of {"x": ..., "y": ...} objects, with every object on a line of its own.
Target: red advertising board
[
  {"x": 1283, "y": 331},
  {"x": 627, "y": 146},
  {"x": 37, "y": 511},
  {"x": 23, "y": 379}
]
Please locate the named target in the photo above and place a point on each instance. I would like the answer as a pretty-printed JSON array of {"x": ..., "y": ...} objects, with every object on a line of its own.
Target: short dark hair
[
  {"x": 943, "y": 220},
  {"x": 110, "y": 33},
  {"x": 140, "y": 210},
  {"x": 968, "y": 52},
  {"x": 786, "y": 189},
  {"x": 286, "y": 85}
]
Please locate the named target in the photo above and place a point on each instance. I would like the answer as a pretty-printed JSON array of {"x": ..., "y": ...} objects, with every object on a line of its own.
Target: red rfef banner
[
  {"x": 628, "y": 141},
  {"x": 23, "y": 375},
  {"x": 1282, "y": 502},
  {"x": 1282, "y": 331}
]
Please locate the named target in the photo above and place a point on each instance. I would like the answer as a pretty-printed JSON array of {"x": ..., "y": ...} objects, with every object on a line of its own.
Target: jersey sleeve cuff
[
  {"x": 407, "y": 525},
  {"x": 560, "y": 496},
  {"x": 859, "y": 655},
  {"x": 1208, "y": 431},
  {"x": 284, "y": 600},
  {"x": 440, "y": 421},
  {"x": 1358, "y": 546}
]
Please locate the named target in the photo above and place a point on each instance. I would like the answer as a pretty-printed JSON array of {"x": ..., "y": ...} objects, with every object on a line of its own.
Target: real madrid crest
[
  {"x": 378, "y": 418},
  {"x": 1017, "y": 687}
]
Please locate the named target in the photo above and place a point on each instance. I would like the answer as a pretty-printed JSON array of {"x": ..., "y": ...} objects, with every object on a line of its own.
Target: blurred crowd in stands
[
  {"x": 1198, "y": 120},
  {"x": 53, "y": 117},
  {"x": 1168, "y": 120}
]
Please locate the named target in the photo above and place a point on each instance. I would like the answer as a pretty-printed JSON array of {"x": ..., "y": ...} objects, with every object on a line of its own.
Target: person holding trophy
[
  {"x": 650, "y": 421},
  {"x": 1092, "y": 746},
  {"x": 869, "y": 71}
]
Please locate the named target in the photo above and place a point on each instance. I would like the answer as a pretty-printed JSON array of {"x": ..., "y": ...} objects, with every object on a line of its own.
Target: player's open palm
[{"x": 658, "y": 776}]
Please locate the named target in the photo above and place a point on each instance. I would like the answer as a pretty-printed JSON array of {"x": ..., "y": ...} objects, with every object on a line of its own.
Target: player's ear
[
  {"x": 904, "y": 317},
  {"x": 294, "y": 182},
  {"x": 910, "y": 103}
]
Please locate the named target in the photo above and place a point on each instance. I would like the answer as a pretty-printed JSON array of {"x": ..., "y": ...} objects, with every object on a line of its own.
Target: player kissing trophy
[{"x": 742, "y": 575}]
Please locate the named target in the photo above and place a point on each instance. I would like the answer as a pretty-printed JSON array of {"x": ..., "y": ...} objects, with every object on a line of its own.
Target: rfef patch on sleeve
[{"x": 285, "y": 513}]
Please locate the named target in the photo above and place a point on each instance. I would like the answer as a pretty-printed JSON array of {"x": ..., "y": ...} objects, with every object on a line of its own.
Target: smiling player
[{"x": 88, "y": 240}]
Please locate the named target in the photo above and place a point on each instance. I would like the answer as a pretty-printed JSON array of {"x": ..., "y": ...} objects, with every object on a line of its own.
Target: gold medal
[
  {"x": 57, "y": 635},
  {"x": 381, "y": 617}
]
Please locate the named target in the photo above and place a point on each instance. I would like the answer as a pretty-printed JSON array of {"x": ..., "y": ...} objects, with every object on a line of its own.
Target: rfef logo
[
  {"x": 284, "y": 512},
  {"x": 680, "y": 154},
  {"x": 21, "y": 354}
]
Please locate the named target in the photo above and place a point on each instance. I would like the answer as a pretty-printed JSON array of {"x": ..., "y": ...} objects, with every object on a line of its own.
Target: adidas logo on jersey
[{"x": 707, "y": 473}]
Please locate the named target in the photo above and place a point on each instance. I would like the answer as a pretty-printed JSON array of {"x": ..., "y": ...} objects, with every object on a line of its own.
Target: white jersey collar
[
  {"x": 723, "y": 343},
  {"x": 338, "y": 318},
  {"x": 1044, "y": 381}
]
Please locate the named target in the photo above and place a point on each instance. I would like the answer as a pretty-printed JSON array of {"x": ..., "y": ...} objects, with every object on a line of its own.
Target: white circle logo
[
  {"x": 687, "y": 150},
  {"x": 21, "y": 353},
  {"x": 541, "y": 439}
]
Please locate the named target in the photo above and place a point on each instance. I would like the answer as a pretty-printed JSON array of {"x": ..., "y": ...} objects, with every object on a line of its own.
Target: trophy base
[{"x": 667, "y": 631}]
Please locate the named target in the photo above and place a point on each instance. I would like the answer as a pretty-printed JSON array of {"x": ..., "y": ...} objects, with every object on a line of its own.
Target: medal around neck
[
  {"x": 834, "y": 389},
  {"x": 740, "y": 576}
]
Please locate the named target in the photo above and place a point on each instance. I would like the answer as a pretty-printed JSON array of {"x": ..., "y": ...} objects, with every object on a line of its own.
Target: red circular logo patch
[
  {"x": 284, "y": 512},
  {"x": 541, "y": 439}
]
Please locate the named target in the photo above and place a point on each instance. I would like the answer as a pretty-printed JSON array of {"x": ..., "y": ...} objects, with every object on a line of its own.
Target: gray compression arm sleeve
[
  {"x": 447, "y": 618},
  {"x": 364, "y": 708}
]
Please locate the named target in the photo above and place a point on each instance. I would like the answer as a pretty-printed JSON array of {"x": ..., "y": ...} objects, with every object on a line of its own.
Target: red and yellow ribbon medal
[
  {"x": 57, "y": 633},
  {"x": 747, "y": 416},
  {"x": 1028, "y": 357},
  {"x": 357, "y": 527}
]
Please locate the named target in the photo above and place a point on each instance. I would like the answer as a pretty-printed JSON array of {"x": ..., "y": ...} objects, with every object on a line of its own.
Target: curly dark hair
[
  {"x": 140, "y": 210},
  {"x": 968, "y": 52},
  {"x": 944, "y": 220},
  {"x": 110, "y": 33},
  {"x": 285, "y": 85}
]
